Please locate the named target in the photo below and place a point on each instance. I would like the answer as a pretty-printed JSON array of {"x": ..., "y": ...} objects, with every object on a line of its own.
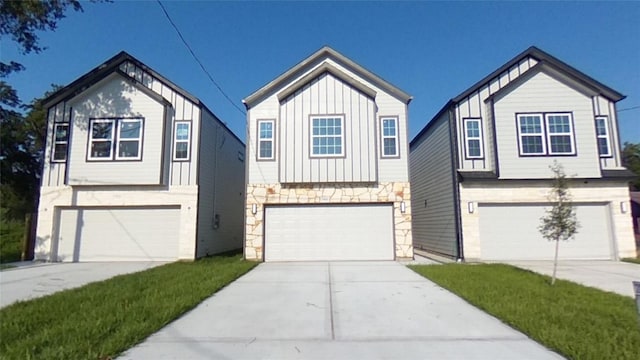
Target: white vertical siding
[
  {"x": 544, "y": 93},
  {"x": 221, "y": 189},
  {"x": 604, "y": 107},
  {"x": 319, "y": 97}
]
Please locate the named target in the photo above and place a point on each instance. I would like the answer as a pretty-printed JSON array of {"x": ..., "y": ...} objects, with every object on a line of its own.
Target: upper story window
[
  {"x": 60, "y": 142},
  {"x": 559, "y": 134},
  {"x": 602, "y": 134},
  {"x": 327, "y": 136},
  {"x": 473, "y": 138},
  {"x": 389, "y": 137},
  {"x": 545, "y": 134},
  {"x": 115, "y": 139},
  {"x": 266, "y": 139},
  {"x": 182, "y": 141}
]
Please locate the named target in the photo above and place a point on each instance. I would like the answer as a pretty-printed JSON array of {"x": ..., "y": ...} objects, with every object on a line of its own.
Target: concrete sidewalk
[
  {"x": 614, "y": 276},
  {"x": 30, "y": 280},
  {"x": 338, "y": 310}
]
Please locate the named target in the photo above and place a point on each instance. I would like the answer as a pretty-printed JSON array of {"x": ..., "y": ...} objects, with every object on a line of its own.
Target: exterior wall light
[
  {"x": 623, "y": 207},
  {"x": 470, "y": 207},
  {"x": 254, "y": 208},
  {"x": 403, "y": 207}
]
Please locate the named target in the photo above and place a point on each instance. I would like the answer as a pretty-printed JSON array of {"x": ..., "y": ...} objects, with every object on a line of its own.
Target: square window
[{"x": 326, "y": 136}]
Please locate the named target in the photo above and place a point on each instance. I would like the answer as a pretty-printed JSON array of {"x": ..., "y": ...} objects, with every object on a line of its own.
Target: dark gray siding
[{"x": 432, "y": 190}]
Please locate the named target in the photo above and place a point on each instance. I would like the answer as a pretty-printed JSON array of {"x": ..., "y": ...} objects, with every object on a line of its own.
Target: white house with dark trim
[
  {"x": 480, "y": 173},
  {"x": 327, "y": 165},
  {"x": 136, "y": 168}
]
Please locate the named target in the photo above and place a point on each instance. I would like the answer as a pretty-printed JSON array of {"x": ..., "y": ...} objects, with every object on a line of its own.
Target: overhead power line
[
  {"x": 629, "y": 108},
  {"x": 184, "y": 41}
]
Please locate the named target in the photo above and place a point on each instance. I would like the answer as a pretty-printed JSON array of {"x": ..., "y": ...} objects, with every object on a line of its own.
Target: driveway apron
[
  {"x": 336, "y": 310},
  {"x": 39, "y": 279}
]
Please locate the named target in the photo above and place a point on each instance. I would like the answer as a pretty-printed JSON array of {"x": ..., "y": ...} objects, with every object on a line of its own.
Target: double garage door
[
  {"x": 118, "y": 234},
  {"x": 329, "y": 232},
  {"x": 510, "y": 232}
]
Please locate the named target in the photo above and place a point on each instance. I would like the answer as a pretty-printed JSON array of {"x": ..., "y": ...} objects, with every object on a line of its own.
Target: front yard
[
  {"x": 103, "y": 319},
  {"x": 576, "y": 321}
]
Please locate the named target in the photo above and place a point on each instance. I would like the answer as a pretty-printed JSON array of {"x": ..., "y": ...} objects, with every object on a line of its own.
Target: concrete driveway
[
  {"x": 338, "y": 310},
  {"x": 32, "y": 280},
  {"x": 614, "y": 276}
]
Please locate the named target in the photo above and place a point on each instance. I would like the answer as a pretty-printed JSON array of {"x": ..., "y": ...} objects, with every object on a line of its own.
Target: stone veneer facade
[
  {"x": 385, "y": 192},
  {"x": 611, "y": 193}
]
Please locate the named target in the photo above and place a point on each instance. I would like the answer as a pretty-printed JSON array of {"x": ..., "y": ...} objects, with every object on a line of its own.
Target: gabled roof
[
  {"x": 319, "y": 56},
  {"x": 101, "y": 71},
  {"x": 546, "y": 60},
  {"x": 542, "y": 56}
]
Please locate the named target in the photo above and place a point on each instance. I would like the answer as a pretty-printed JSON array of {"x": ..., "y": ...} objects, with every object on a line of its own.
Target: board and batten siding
[
  {"x": 328, "y": 95},
  {"x": 220, "y": 188},
  {"x": 433, "y": 190},
  {"x": 473, "y": 106},
  {"x": 605, "y": 107},
  {"x": 114, "y": 97},
  {"x": 53, "y": 173},
  {"x": 544, "y": 93}
]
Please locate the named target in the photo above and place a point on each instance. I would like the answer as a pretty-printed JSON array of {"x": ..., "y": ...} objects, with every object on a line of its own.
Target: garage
[
  {"x": 510, "y": 232},
  {"x": 329, "y": 232},
  {"x": 118, "y": 234}
]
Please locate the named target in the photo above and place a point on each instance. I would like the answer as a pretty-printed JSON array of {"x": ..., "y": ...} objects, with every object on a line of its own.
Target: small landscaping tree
[{"x": 559, "y": 222}]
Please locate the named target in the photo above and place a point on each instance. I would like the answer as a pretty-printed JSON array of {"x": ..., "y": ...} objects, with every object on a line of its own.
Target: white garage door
[
  {"x": 509, "y": 232},
  {"x": 118, "y": 234},
  {"x": 325, "y": 232}
]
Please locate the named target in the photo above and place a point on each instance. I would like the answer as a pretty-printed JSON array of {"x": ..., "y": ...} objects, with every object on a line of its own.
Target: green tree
[
  {"x": 631, "y": 160},
  {"x": 21, "y": 21},
  {"x": 559, "y": 222}
]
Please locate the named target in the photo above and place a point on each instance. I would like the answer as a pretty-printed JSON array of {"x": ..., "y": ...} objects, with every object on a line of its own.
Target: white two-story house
[
  {"x": 480, "y": 174},
  {"x": 327, "y": 165},
  {"x": 136, "y": 168}
]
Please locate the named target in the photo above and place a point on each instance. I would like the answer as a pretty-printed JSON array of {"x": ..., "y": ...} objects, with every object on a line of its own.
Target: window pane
[
  {"x": 182, "y": 150},
  {"x": 61, "y": 132},
  {"x": 101, "y": 149},
  {"x": 473, "y": 128},
  {"x": 101, "y": 130},
  {"x": 182, "y": 132},
  {"x": 561, "y": 144},
  {"x": 474, "y": 147},
  {"x": 60, "y": 152},
  {"x": 389, "y": 127},
  {"x": 558, "y": 124},
  {"x": 531, "y": 144},
  {"x": 389, "y": 146},
  {"x": 530, "y": 125},
  {"x": 128, "y": 149},
  {"x": 603, "y": 146},
  {"x": 326, "y": 136},
  {"x": 130, "y": 129},
  {"x": 601, "y": 128},
  {"x": 266, "y": 150}
]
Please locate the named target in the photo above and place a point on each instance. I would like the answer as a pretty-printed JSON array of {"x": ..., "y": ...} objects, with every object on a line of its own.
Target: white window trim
[
  {"x": 119, "y": 139},
  {"x": 549, "y": 134},
  {"x": 271, "y": 139},
  {"x": 541, "y": 134},
  {"x": 311, "y": 136},
  {"x": 383, "y": 136},
  {"x": 606, "y": 136},
  {"x": 479, "y": 138},
  {"x": 176, "y": 141},
  {"x": 56, "y": 142},
  {"x": 92, "y": 122}
]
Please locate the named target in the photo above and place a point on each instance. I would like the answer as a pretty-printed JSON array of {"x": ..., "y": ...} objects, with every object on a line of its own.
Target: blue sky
[{"x": 432, "y": 50}]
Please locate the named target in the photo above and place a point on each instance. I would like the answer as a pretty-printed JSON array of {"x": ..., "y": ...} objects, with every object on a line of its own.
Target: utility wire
[
  {"x": 198, "y": 60},
  {"x": 630, "y": 108}
]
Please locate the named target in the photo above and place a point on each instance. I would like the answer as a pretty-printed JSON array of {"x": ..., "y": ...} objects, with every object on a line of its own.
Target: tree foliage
[
  {"x": 631, "y": 160},
  {"x": 559, "y": 222},
  {"x": 21, "y": 20}
]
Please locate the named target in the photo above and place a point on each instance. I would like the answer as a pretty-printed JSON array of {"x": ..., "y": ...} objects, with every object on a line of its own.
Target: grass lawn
[
  {"x": 103, "y": 319},
  {"x": 11, "y": 234},
  {"x": 632, "y": 260},
  {"x": 573, "y": 320}
]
